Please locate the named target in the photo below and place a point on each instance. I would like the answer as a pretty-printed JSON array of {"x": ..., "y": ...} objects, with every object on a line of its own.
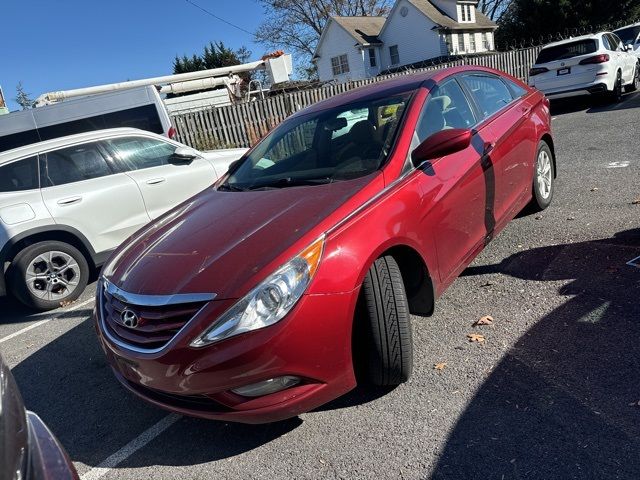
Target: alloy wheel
[
  {"x": 52, "y": 275},
  {"x": 544, "y": 174}
]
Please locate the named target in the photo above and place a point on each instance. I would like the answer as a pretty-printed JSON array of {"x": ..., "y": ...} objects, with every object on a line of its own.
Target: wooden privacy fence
[{"x": 242, "y": 125}]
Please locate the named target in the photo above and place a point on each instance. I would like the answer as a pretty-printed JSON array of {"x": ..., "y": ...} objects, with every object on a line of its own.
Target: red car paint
[{"x": 228, "y": 242}]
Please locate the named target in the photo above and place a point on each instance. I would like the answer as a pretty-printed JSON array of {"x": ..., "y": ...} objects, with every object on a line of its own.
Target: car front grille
[{"x": 146, "y": 323}]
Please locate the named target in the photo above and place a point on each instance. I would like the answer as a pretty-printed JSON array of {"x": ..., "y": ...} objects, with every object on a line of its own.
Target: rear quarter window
[
  {"x": 19, "y": 176},
  {"x": 567, "y": 50}
]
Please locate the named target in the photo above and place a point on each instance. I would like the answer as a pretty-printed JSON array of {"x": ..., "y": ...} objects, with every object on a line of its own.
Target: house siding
[
  {"x": 413, "y": 34},
  {"x": 338, "y": 42}
]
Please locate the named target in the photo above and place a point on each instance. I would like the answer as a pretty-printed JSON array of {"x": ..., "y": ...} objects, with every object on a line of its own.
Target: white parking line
[
  {"x": 42, "y": 322},
  {"x": 622, "y": 164},
  {"x": 634, "y": 263},
  {"x": 130, "y": 448}
]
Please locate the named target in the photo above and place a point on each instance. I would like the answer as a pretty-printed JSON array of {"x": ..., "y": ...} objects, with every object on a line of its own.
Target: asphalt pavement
[{"x": 552, "y": 393}]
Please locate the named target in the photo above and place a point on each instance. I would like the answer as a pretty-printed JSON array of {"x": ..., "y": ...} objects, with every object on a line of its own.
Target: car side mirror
[
  {"x": 183, "y": 155},
  {"x": 440, "y": 144}
]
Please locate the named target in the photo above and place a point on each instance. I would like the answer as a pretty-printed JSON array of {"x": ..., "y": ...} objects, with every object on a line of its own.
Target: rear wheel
[
  {"x": 49, "y": 274},
  {"x": 616, "y": 95},
  {"x": 543, "y": 178},
  {"x": 383, "y": 327},
  {"x": 635, "y": 84}
]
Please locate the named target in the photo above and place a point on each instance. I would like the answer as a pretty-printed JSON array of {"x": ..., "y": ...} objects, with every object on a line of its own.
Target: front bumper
[
  {"x": 47, "y": 458},
  {"x": 312, "y": 342}
]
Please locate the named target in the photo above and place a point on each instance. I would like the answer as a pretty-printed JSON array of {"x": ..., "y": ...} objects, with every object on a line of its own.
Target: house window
[
  {"x": 460, "y": 42},
  {"x": 372, "y": 57},
  {"x": 394, "y": 54},
  {"x": 465, "y": 13},
  {"x": 472, "y": 42},
  {"x": 340, "y": 65},
  {"x": 485, "y": 42}
]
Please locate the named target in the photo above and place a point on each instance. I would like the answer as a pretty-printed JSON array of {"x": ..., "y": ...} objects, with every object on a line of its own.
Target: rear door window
[
  {"x": 72, "y": 164},
  {"x": 19, "y": 176},
  {"x": 138, "y": 153},
  {"x": 490, "y": 93},
  {"x": 567, "y": 50}
]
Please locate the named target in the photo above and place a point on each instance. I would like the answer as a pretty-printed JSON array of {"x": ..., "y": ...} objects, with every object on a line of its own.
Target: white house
[{"x": 353, "y": 48}]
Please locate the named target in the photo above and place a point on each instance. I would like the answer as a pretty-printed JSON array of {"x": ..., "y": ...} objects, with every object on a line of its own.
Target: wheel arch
[
  {"x": 549, "y": 141},
  {"x": 416, "y": 276},
  {"x": 58, "y": 233}
]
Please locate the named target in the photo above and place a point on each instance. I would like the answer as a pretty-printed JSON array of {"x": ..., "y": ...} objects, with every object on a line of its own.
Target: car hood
[{"x": 218, "y": 241}]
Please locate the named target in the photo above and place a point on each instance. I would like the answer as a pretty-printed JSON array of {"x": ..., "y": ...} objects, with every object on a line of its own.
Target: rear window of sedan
[{"x": 567, "y": 50}]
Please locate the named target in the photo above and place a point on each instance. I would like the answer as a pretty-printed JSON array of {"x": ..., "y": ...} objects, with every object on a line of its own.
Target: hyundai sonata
[{"x": 294, "y": 277}]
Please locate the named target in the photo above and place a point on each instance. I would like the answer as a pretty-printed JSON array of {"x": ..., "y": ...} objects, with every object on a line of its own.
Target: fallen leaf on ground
[
  {"x": 474, "y": 337},
  {"x": 594, "y": 189},
  {"x": 486, "y": 320},
  {"x": 636, "y": 201},
  {"x": 439, "y": 366},
  {"x": 487, "y": 284},
  {"x": 635, "y": 404}
]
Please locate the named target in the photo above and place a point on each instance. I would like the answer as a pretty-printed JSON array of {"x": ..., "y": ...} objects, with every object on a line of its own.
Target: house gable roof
[
  {"x": 445, "y": 21},
  {"x": 364, "y": 30}
]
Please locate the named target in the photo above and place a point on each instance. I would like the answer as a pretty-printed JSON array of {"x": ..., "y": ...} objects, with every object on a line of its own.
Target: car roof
[
  {"x": 34, "y": 148},
  {"x": 637, "y": 24},
  {"x": 591, "y": 36},
  {"x": 401, "y": 84}
]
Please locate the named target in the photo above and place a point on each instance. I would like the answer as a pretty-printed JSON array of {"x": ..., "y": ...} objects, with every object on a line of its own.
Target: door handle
[
  {"x": 69, "y": 200},
  {"x": 156, "y": 181},
  {"x": 526, "y": 110}
]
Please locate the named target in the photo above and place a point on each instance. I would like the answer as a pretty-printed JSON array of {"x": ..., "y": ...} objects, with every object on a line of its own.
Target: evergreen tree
[{"x": 22, "y": 98}]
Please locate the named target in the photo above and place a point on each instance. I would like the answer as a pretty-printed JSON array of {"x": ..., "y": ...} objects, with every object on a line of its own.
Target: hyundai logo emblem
[{"x": 129, "y": 318}]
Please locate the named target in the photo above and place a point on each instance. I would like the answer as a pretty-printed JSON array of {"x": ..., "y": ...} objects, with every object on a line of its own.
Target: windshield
[
  {"x": 341, "y": 143},
  {"x": 628, "y": 35},
  {"x": 567, "y": 50}
]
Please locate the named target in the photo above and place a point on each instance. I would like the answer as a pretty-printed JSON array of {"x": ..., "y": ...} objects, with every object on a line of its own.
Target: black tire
[
  {"x": 635, "y": 84},
  {"x": 68, "y": 285},
  {"x": 385, "y": 349},
  {"x": 616, "y": 95},
  {"x": 541, "y": 201}
]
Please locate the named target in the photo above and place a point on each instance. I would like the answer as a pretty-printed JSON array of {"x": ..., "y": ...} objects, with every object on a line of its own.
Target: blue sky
[{"x": 63, "y": 44}]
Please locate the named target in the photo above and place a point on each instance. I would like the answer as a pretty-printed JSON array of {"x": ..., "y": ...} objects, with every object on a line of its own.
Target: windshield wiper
[
  {"x": 227, "y": 187},
  {"x": 291, "y": 182}
]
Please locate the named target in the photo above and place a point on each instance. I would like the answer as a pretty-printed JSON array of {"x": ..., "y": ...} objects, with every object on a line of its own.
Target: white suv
[
  {"x": 591, "y": 64},
  {"x": 66, "y": 203}
]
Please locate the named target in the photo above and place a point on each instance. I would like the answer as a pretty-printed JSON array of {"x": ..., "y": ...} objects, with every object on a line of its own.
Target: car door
[
  {"x": 457, "y": 189},
  {"x": 618, "y": 56},
  {"x": 163, "y": 180},
  {"x": 509, "y": 132},
  {"x": 628, "y": 59},
  {"x": 82, "y": 190}
]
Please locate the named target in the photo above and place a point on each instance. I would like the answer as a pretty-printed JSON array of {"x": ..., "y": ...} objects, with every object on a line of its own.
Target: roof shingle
[
  {"x": 445, "y": 21},
  {"x": 364, "y": 29}
]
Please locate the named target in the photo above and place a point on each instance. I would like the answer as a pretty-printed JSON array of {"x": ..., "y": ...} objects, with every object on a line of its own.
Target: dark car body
[
  {"x": 28, "y": 449},
  {"x": 192, "y": 266}
]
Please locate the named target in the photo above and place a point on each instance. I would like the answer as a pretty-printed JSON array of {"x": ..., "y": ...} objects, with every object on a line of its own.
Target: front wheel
[
  {"x": 48, "y": 275},
  {"x": 543, "y": 179},
  {"x": 383, "y": 326}
]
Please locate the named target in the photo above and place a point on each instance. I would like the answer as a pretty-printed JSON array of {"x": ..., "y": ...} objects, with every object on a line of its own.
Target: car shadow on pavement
[
  {"x": 564, "y": 402},
  {"x": 70, "y": 385}
]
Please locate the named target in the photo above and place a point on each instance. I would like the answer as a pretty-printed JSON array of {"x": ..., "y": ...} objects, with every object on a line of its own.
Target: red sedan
[{"x": 294, "y": 277}]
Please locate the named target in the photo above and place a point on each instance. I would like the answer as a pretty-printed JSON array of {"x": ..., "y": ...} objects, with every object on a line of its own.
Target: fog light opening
[{"x": 266, "y": 387}]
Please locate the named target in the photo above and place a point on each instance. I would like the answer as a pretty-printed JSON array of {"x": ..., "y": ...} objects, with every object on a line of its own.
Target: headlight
[{"x": 270, "y": 301}]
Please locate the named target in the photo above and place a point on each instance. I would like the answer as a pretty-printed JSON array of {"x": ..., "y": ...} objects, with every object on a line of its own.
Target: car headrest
[{"x": 363, "y": 132}]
